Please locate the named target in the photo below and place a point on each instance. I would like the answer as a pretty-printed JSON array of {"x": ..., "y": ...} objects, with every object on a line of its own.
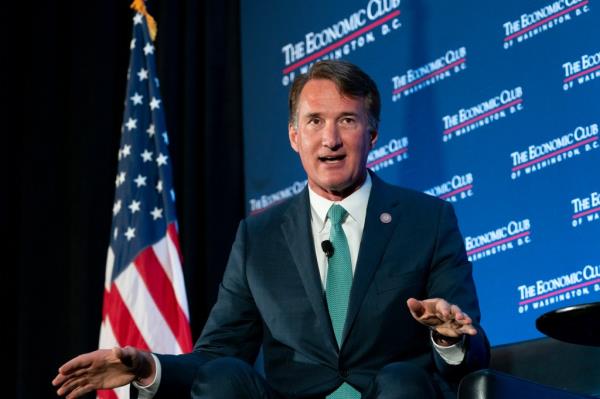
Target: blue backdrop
[{"x": 493, "y": 106}]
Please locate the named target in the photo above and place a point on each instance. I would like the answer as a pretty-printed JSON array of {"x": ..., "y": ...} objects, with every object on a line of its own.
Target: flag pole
[{"x": 140, "y": 6}]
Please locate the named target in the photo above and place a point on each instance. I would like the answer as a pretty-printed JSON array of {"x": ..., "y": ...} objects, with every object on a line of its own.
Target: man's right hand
[{"x": 104, "y": 369}]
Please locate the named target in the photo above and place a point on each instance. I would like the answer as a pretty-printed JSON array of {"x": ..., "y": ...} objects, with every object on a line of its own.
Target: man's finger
[
  {"x": 455, "y": 330},
  {"x": 59, "y": 379},
  {"x": 468, "y": 329},
  {"x": 68, "y": 386},
  {"x": 75, "y": 364},
  {"x": 442, "y": 309},
  {"x": 464, "y": 319},
  {"x": 70, "y": 369},
  {"x": 79, "y": 391},
  {"x": 416, "y": 307},
  {"x": 456, "y": 312}
]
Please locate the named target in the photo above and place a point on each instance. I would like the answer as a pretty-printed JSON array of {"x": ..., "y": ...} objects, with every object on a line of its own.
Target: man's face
[{"x": 332, "y": 138}]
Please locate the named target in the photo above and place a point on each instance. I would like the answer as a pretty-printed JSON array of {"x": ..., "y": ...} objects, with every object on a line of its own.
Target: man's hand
[
  {"x": 104, "y": 369},
  {"x": 445, "y": 318}
]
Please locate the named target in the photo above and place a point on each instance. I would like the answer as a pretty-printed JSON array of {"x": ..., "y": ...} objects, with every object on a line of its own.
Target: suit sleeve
[
  {"x": 233, "y": 328},
  {"x": 451, "y": 279}
]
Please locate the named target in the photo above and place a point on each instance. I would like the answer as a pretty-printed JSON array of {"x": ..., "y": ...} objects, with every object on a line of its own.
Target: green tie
[{"x": 339, "y": 283}]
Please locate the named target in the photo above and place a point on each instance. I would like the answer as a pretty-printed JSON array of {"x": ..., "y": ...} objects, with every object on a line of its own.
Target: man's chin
[
  {"x": 336, "y": 186},
  {"x": 339, "y": 188}
]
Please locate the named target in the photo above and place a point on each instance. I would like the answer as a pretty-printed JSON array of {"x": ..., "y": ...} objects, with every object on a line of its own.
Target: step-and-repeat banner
[{"x": 492, "y": 106}]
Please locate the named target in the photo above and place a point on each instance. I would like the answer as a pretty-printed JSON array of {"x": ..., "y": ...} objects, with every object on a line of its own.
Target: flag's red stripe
[
  {"x": 162, "y": 292},
  {"x": 172, "y": 232},
  {"x": 105, "y": 304},
  {"x": 106, "y": 394},
  {"x": 123, "y": 325}
]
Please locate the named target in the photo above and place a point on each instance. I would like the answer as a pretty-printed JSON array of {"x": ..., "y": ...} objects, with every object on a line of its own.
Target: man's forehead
[
  {"x": 329, "y": 86},
  {"x": 320, "y": 95}
]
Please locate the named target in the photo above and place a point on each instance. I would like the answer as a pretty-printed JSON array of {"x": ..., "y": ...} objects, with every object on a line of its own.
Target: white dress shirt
[{"x": 356, "y": 206}]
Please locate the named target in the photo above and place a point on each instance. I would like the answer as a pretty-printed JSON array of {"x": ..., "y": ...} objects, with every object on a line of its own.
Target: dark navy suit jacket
[{"x": 271, "y": 296}]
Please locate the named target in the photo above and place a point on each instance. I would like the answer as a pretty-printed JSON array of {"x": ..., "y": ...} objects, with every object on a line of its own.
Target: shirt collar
[{"x": 355, "y": 204}]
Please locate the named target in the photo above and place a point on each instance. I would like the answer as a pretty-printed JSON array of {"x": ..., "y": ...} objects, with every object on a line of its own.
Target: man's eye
[
  {"x": 314, "y": 121},
  {"x": 348, "y": 121}
]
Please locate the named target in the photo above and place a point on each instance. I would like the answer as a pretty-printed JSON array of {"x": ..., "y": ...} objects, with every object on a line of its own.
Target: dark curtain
[{"x": 64, "y": 173}]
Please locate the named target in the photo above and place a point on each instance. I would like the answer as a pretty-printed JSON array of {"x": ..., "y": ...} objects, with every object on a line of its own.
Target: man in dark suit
[{"x": 325, "y": 283}]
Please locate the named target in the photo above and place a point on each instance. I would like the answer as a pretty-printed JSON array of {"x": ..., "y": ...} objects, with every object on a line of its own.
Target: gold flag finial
[{"x": 140, "y": 6}]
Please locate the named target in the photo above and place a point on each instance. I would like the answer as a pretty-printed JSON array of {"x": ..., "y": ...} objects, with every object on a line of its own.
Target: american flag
[{"x": 145, "y": 303}]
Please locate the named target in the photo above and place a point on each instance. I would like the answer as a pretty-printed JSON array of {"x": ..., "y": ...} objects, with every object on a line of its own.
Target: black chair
[
  {"x": 567, "y": 362},
  {"x": 492, "y": 384}
]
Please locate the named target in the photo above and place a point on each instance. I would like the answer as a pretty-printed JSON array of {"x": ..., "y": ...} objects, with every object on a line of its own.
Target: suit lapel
[
  {"x": 375, "y": 238},
  {"x": 298, "y": 234}
]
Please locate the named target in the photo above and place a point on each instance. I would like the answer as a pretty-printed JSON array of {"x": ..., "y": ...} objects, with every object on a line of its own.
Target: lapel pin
[{"x": 385, "y": 217}]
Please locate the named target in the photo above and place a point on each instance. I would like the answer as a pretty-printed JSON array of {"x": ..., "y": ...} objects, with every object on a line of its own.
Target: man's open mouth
[{"x": 333, "y": 158}]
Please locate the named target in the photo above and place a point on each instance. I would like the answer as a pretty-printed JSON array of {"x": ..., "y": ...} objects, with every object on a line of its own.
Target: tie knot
[{"x": 336, "y": 214}]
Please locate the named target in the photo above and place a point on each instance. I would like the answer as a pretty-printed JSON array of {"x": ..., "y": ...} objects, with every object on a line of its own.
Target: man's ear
[
  {"x": 374, "y": 135},
  {"x": 293, "y": 135}
]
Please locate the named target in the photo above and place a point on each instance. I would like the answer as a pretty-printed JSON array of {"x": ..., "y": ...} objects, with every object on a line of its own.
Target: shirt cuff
[
  {"x": 148, "y": 391},
  {"x": 453, "y": 354}
]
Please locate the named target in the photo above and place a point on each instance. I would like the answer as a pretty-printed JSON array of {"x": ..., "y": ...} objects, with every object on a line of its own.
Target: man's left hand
[{"x": 445, "y": 318}]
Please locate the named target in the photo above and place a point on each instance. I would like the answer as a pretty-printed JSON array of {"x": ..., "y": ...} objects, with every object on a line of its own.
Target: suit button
[{"x": 344, "y": 373}]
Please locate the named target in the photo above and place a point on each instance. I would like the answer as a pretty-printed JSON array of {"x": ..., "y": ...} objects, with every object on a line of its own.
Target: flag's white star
[
  {"x": 165, "y": 138},
  {"x": 146, "y": 155},
  {"x": 161, "y": 159},
  {"x": 134, "y": 206},
  {"x": 148, "y": 49},
  {"x": 130, "y": 233},
  {"x": 137, "y": 98},
  {"x": 116, "y": 233},
  {"x": 159, "y": 186},
  {"x": 140, "y": 180},
  {"x": 143, "y": 74},
  {"x": 131, "y": 124},
  {"x": 116, "y": 207},
  {"x": 151, "y": 130},
  {"x": 120, "y": 179},
  {"x": 126, "y": 150},
  {"x": 137, "y": 19},
  {"x": 132, "y": 44},
  {"x": 155, "y": 103},
  {"x": 156, "y": 213}
]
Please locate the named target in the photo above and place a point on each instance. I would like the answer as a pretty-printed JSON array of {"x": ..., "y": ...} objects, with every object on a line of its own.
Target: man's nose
[{"x": 331, "y": 136}]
